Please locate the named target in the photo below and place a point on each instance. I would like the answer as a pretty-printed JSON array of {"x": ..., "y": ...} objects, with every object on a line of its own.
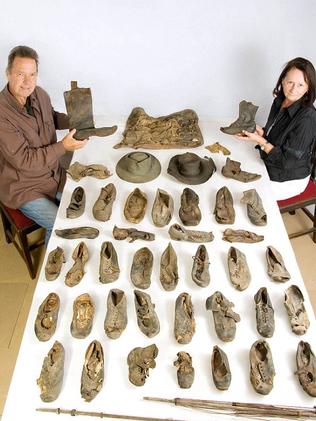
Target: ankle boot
[{"x": 245, "y": 121}]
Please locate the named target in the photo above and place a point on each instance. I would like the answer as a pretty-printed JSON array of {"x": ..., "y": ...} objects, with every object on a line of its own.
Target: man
[{"x": 31, "y": 178}]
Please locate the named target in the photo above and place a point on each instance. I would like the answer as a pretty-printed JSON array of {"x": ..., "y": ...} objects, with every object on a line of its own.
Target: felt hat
[
  {"x": 190, "y": 168},
  {"x": 138, "y": 167}
]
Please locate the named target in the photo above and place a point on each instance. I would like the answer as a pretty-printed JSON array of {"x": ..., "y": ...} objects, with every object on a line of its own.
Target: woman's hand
[{"x": 255, "y": 137}]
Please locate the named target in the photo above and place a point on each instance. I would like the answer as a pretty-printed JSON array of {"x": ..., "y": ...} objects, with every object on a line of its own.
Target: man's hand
[{"x": 71, "y": 144}]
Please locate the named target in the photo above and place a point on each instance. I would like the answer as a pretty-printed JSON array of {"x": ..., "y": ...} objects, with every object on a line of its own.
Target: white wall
[{"x": 164, "y": 55}]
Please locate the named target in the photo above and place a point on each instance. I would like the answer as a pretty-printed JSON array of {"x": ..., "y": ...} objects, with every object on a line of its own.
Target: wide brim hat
[
  {"x": 190, "y": 168},
  {"x": 138, "y": 167}
]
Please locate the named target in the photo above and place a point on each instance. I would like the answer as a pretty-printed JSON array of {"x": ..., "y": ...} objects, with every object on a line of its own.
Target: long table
[{"x": 118, "y": 395}]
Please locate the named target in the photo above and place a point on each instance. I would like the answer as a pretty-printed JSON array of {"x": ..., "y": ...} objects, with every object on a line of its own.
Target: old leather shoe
[
  {"x": 179, "y": 233},
  {"x": 142, "y": 268},
  {"x": 200, "y": 269},
  {"x": 147, "y": 318},
  {"x": 185, "y": 370},
  {"x": 78, "y": 232},
  {"x": 276, "y": 268},
  {"x": 80, "y": 255},
  {"x": 169, "y": 269},
  {"x": 77, "y": 203},
  {"x": 238, "y": 269},
  {"x": 264, "y": 313},
  {"x": 294, "y": 304},
  {"x": 92, "y": 372},
  {"x": 306, "y": 368},
  {"x": 189, "y": 212},
  {"x": 102, "y": 209},
  {"x": 184, "y": 321},
  {"x": 162, "y": 208},
  {"x": 116, "y": 315},
  {"x": 220, "y": 369},
  {"x": 139, "y": 361},
  {"x": 109, "y": 269},
  {"x": 261, "y": 367},
  {"x": 224, "y": 207},
  {"x": 82, "y": 319},
  {"x": 46, "y": 320},
  {"x": 55, "y": 260},
  {"x": 135, "y": 206}
]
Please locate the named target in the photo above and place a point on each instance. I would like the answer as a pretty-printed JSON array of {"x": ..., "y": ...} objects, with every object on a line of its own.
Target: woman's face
[{"x": 294, "y": 85}]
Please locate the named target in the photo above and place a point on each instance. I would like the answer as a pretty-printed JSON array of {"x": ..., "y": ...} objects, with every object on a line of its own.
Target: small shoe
[
  {"x": 200, "y": 269},
  {"x": 184, "y": 322},
  {"x": 224, "y": 208},
  {"x": 132, "y": 234},
  {"x": 135, "y": 206},
  {"x": 109, "y": 270},
  {"x": 77, "y": 171},
  {"x": 241, "y": 236},
  {"x": 80, "y": 255},
  {"x": 224, "y": 317},
  {"x": 147, "y": 319},
  {"x": 116, "y": 315},
  {"x": 238, "y": 269},
  {"x": 220, "y": 369},
  {"x": 46, "y": 320},
  {"x": 185, "y": 372},
  {"x": 139, "y": 361},
  {"x": 142, "y": 268},
  {"x": 276, "y": 268},
  {"x": 189, "y": 212},
  {"x": 52, "y": 373},
  {"x": 264, "y": 313},
  {"x": 261, "y": 367},
  {"x": 255, "y": 211},
  {"x": 77, "y": 203},
  {"x": 232, "y": 170},
  {"x": 102, "y": 209},
  {"x": 55, "y": 260},
  {"x": 162, "y": 208},
  {"x": 294, "y": 304},
  {"x": 306, "y": 368},
  {"x": 93, "y": 372},
  {"x": 179, "y": 233},
  {"x": 245, "y": 120},
  {"x": 80, "y": 232},
  {"x": 82, "y": 319},
  {"x": 169, "y": 269}
]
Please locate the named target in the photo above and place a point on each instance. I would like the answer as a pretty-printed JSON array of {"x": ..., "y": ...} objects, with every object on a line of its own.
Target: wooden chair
[{"x": 17, "y": 227}]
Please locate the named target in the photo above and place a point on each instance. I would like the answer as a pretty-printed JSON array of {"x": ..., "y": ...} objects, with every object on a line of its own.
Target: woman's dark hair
[
  {"x": 309, "y": 76},
  {"x": 22, "y": 51}
]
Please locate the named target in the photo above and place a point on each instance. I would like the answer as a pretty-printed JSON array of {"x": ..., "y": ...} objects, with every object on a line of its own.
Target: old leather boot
[
  {"x": 220, "y": 369},
  {"x": 179, "y": 233},
  {"x": 116, "y": 315},
  {"x": 135, "y": 206},
  {"x": 238, "y": 269},
  {"x": 224, "y": 208},
  {"x": 184, "y": 322},
  {"x": 109, "y": 269},
  {"x": 241, "y": 236},
  {"x": 46, "y": 320},
  {"x": 132, "y": 234},
  {"x": 93, "y": 371},
  {"x": 169, "y": 269},
  {"x": 82, "y": 319},
  {"x": 50, "y": 380},
  {"x": 185, "y": 372},
  {"x": 77, "y": 171},
  {"x": 276, "y": 268},
  {"x": 80, "y": 232},
  {"x": 294, "y": 304},
  {"x": 80, "y": 255},
  {"x": 79, "y": 109},
  {"x": 189, "y": 212},
  {"x": 142, "y": 267},
  {"x": 102, "y": 209},
  {"x": 255, "y": 211},
  {"x": 224, "y": 317},
  {"x": 264, "y": 313},
  {"x": 77, "y": 203},
  {"x": 55, "y": 260},
  {"x": 306, "y": 368},
  {"x": 139, "y": 361},
  {"x": 147, "y": 319},
  {"x": 232, "y": 170},
  {"x": 261, "y": 367},
  {"x": 245, "y": 120},
  {"x": 162, "y": 208},
  {"x": 200, "y": 269}
]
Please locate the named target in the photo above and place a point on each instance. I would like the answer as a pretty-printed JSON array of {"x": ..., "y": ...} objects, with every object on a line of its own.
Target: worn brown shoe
[
  {"x": 135, "y": 206},
  {"x": 245, "y": 120},
  {"x": 109, "y": 269},
  {"x": 276, "y": 268},
  {"x": 200, "y": 269},
  {"x": 224, "y": 208},
  {"x": 294, "y": 304},
  {"x": 142, "y": 267},
  {"x": 80, "y": 232},
  {"x": 261, "y": 367},
  {"x": 241, "y": 236},
  {"x": 185, "y": 372},
  {"x": 102, "y": 209},
  {"x": 220, "y": 369},
  {"x": 77, "y": 203},
  {"x": 93, "y": 371},
  {"x": 80, "y": 255},
  {"x": 179, "y": 233},
  {"x": 306, "y": 368},
  {"x": 264, "y": 313},
  {"x": 232, "y": 170},
  {"x": 50, "y": 380},
  {"x": 169, "y": 269},
  {"x": 189, "y": 212},
  {"x": 46, "y": 320},
  {"x": 55, "y": 260},
  {"x": 139, "y": 361},
  {"x": 162, "y": 208},
  {"x": 238, "y": 269},
  {"x": 82, "y": 319},
  {"x": 255, "y": 210},
  {"x": 77, "y": 171},
  {"x": 132, "y": 234},
  {"x": 116, "y": 315},
  {"x": 147, "y": 319},
  {"x": 184, "y": 322}
]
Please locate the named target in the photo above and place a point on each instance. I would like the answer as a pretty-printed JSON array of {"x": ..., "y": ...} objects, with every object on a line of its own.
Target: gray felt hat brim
[
  {"x": 138, "y": 175},
  {"x": 207, "y": 168}
]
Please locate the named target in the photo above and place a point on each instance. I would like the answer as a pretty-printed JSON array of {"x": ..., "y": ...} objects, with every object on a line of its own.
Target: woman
[{"x": 286, "y": 142}]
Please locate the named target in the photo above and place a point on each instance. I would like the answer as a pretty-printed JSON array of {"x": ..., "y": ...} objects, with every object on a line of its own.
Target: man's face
[{"x": 22, "y": 78}]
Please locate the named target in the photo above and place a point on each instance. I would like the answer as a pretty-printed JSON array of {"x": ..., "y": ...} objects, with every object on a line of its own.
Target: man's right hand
[{"x": 71, "y": 144}]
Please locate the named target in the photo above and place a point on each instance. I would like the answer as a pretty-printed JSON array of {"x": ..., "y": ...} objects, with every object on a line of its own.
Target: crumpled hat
[
  {"x": 138, "y": 167},
  {"x": 190, "y": 168}
]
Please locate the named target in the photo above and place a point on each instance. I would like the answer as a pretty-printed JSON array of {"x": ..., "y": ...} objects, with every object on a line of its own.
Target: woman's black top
[{"x": 292, "y": 132}]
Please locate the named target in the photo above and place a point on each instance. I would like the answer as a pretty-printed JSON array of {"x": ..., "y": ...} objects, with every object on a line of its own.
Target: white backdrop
[{"x": 164, "y": 55}]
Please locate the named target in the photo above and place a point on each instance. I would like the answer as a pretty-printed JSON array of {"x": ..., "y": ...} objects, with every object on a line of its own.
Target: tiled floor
[{"x": 15, "y": 306}]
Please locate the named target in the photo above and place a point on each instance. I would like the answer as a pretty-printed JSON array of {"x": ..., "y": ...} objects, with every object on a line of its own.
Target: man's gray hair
[{"x": 22, "y": 51}]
